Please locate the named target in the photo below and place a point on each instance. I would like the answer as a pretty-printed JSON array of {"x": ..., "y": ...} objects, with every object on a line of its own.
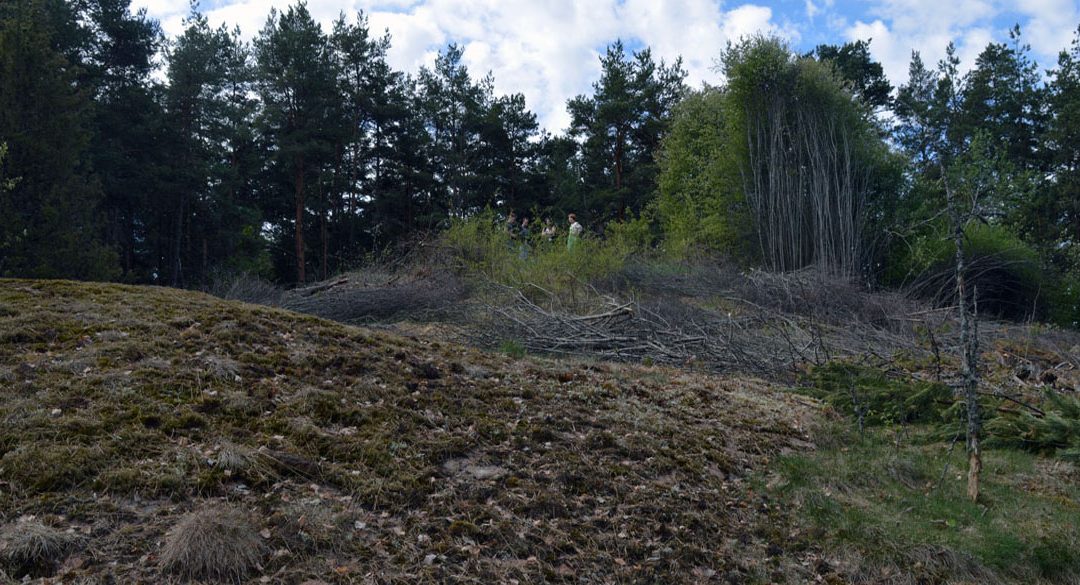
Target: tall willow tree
[{"x": 809, "y": 153}]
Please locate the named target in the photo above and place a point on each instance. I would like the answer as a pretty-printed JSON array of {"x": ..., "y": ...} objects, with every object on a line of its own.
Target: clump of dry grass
[
  {"x": 312, "y": 527},
  {"x": 216, "y": 542},
  {"x": 30, "y": 548},
  {"x": 222, "y": 368},
  {"x": 242, "y": 462}
]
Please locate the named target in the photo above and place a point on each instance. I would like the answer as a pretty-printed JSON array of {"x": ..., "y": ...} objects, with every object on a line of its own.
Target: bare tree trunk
[{"x": 969, "y": 340}]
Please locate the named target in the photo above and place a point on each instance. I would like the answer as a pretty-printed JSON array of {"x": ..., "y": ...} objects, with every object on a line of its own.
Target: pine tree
[
  {"x": 621, "y": 125},
  {"x": 297, "y": 84},
  {"x": 207, "y": 107},
  {"x": 130, "y": 142},
  {"x": 50, "y": 224}
]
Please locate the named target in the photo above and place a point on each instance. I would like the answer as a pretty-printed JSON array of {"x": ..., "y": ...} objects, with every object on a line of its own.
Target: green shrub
[
  {"x": 871, "y": 395},
  {"x": 1063, "y": 299},
  {"x": 513, "y": 348},
  {"x": 1003, "y": 269},
  {"x": 1055, "y": 432},
  {"x": 700, "y": 204},
  {"x": 481, "y": 245}
]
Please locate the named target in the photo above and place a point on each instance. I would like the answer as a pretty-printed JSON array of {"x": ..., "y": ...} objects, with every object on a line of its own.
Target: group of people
[{"x": 519, "y": 231}]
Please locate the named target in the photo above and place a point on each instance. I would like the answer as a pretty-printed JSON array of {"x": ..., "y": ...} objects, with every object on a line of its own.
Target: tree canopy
[{"x": 132, "y": 156}]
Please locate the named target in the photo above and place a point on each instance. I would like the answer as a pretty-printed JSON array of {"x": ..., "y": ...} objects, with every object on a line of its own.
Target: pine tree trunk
[
  {"x": 619, "y": 173},
  {"x": 299, "y": 181},
  {"x": 323, "y": 235},
  {"x": 178, "y": 239}
]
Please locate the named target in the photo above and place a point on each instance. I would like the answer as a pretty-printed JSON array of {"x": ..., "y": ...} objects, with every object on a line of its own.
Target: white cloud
[
  {"x": 1050, "y": 27},
  {"x": 928, "y": 26},
  {"x": 548, "y": 51}
]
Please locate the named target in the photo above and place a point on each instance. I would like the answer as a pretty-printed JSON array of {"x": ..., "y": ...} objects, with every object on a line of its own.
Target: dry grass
[
  {"x": 368, "y": 457},
  {"x": 216, "y": 542},
  {"x": 342, "y": 444},
  {"x": 30, "y": 548}
]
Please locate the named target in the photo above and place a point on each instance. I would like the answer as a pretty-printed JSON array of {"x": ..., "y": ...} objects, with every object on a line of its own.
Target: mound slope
[{"x": 367, "y": 457}]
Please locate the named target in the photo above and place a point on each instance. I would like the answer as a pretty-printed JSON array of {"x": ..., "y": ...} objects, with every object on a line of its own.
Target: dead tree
[{"x": 969, "y": 338}]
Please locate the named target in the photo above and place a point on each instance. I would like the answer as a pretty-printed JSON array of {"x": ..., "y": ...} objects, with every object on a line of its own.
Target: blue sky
[{"x": 548, "y": 49}]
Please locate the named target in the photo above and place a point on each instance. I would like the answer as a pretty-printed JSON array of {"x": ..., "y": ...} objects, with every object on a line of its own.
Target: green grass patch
[{"x": 899, "y": 500}]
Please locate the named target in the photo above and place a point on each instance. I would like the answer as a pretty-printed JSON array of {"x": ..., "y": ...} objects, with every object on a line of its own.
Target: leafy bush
[
  {"x": 482, "y": 246},
  {"x": 700, "y": 204},
  {"x": 1004, "y": 269}
]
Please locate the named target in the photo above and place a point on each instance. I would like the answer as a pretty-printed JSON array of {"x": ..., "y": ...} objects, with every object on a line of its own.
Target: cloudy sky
[{"x": 549, "y": 49}]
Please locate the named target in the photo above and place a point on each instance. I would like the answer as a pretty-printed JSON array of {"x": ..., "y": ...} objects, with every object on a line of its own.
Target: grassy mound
[
  {"x": 28, "y": 547},
  {"x": 125, "y": 408},
  {"x": 212, "y": 543}
]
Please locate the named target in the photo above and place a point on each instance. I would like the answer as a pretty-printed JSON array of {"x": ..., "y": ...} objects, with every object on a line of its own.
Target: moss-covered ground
[
  {"x": 363, "y": 457},
  {"x": 360, "y": 456}
]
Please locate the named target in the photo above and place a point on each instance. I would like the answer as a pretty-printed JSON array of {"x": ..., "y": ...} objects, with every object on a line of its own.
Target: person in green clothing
[{"x": 575, "y": 232}]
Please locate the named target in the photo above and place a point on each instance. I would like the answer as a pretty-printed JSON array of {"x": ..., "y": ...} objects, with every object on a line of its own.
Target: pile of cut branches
[{"x": 720, "y": 321}]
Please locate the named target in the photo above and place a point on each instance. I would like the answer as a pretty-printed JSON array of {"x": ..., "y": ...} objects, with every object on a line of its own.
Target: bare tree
[{"x": 967, "y": 172}]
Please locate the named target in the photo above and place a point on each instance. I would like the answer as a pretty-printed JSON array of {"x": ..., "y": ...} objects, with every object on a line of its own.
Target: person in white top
[{"x": 575, "y": 232}]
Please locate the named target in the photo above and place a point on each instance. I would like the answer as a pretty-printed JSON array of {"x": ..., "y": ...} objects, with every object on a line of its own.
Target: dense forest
[{"x": 129, "y": 156}]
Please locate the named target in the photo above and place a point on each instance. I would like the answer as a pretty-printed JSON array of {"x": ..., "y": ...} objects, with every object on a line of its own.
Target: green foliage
[
  {"x": 6, "y": 183},
  {"x": 854, "y": 65},
  {"x": 483, "y": 246},
  {"x": 513, "y": 348},
  {"x": 1064, "y": 297},
  {"x": 49, "y": 219},
  {"x": 700, "y": 204},
  {"x": 868, "y": 393},
  {"x": 1055, "y": 432},
  {"x": 1005, "y": 270},
  {"x": 621, "y": 126},
  {"x": 900, "y": 502}
]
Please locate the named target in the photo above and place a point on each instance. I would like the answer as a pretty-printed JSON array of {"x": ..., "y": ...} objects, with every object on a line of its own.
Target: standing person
[
  {"x": 549, "y": 230},
  {"x": 575, "y": 232},
  {"x": 511, "y": 225},
  {"x": 523, "y": 249}
]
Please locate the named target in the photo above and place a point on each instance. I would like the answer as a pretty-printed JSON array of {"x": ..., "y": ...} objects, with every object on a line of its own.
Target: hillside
[{"x": 329, "y": 453}]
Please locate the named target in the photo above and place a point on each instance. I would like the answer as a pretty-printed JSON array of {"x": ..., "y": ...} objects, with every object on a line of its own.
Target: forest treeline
[{"x": 128, "y": 156}]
